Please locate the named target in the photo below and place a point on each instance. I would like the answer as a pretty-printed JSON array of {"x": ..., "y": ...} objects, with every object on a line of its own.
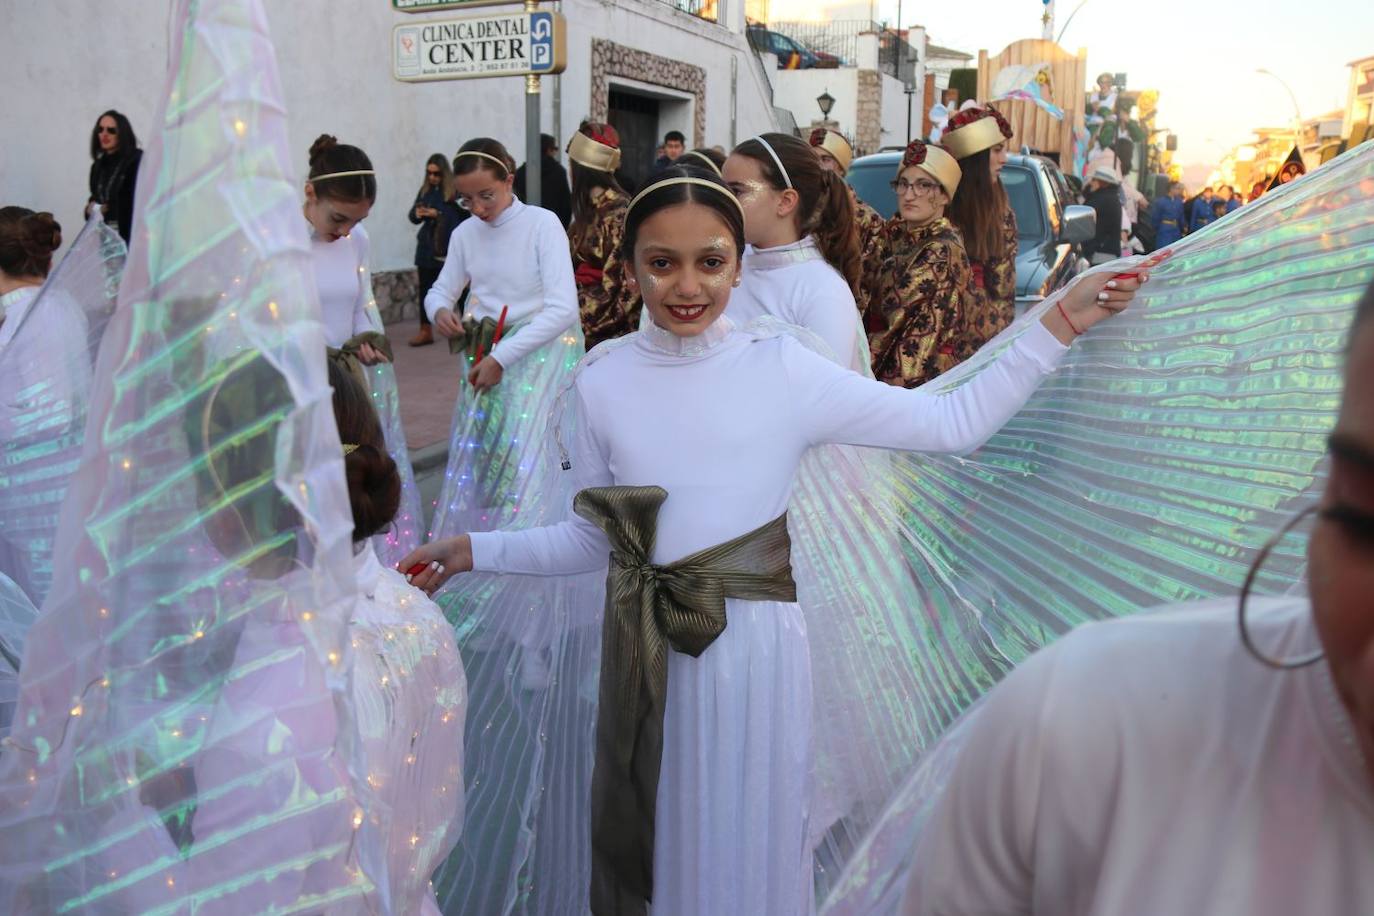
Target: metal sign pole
[{"x": 534, "y": 156}]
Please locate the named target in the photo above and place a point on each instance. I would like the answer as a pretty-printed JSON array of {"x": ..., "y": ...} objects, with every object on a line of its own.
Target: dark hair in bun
[
  {"x": 27, "y": 241},
  {"x": 327, "y": 157},
  {"x": 374, "y": 484}
]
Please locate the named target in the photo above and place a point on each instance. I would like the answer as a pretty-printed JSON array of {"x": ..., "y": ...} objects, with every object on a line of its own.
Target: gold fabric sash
[
  {"x": 347, "y": 355},
  {"x": 649, "y": 608},
  {"x": 478, "y": 332}
]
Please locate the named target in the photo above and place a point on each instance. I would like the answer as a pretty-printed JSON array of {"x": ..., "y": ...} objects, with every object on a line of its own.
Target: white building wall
[
  {"x": 797, "y": 91},
  {"x": 77, "y": 58},
  {"x": 894, "y": 112}
]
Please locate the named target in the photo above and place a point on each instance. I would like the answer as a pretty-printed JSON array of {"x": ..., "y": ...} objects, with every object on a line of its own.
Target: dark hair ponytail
[
  {"x": 27, "y": 242},
  {"x": 824, "y": 207},
  {"x": 723, "y": 202},
  {"x": 466, "y": 165},
  {"x": 374, "y": 484},
  {"x": 836, "y": 229},
  {"x": 327, "y": 157}
]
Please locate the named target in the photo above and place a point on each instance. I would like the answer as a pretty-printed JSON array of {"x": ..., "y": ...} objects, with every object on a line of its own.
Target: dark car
[
  {"x": 791, "y": 54},
  {"x": 1049, "y": 224}
]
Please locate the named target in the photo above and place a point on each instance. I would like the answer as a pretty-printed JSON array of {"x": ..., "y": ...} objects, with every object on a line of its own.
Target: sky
[{"x": 1200, "y": 54}]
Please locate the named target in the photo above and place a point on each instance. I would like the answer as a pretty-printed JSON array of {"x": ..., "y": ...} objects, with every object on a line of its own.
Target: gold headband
[
  {"x": 473, "y": 152},
  {"x": 349, "y": 448},
  {"x": 669, "y": 182},
  {"x": 585, "y": 151},
  {"x": 341, "y": 175},
  {"x": 706, "y": 159}
]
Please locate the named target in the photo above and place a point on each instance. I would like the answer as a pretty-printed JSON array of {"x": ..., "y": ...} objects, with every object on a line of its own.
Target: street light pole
[
  {"x": 1070, "y": 19},
  {"x": 533, "y": 154}
]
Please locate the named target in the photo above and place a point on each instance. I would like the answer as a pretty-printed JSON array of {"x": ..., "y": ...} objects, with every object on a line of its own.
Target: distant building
[{"x": 647, "y": 66}]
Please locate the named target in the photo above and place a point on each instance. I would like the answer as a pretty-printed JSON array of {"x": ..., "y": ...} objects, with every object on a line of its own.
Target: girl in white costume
[
  {"x": 50, "y": 328},
  {"x": 224, "y": 706},
  {"x": 514, "y": 259},
  {"x": 700, "y": 800},
  {"x": 339, "y": 193},
  {"x": 801, "y": 263}
]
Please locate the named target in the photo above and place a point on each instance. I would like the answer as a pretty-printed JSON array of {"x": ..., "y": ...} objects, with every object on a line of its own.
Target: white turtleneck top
[
  {"x": 795, "y": 284},
  {"x": 1149, "y": 766},
  {"x": 721, "y": 421},
  {"x": 344, "y": 284},
  {"x": 521, "y": 261}
]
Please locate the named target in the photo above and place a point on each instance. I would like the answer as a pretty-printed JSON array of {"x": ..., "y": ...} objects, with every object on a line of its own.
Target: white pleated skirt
[{"x": 735, "y": 786}]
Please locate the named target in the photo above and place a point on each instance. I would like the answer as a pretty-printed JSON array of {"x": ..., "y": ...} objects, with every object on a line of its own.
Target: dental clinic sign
[{"x": 497, "y": 44}]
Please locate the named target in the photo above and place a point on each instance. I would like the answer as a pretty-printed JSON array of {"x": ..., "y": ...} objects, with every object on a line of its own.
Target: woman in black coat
[
  {"x": 115, "y": 157},
  {"x": 437, "y": 215}
]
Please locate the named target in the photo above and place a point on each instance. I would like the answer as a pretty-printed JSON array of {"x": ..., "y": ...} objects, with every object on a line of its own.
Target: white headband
[{"x": 786, "y": 178}]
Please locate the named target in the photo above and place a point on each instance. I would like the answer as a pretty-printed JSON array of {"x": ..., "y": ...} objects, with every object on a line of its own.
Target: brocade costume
[
  {"x": 991, "y": 302},
  {"x": 608, "y": 307},
  {"x": 916, "y": 313}
]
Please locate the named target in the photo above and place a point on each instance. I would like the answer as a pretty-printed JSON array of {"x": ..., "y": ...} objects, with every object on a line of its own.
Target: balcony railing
[
  {"x": 702, "y": 9},
  {"x": 841, "y": 39}
]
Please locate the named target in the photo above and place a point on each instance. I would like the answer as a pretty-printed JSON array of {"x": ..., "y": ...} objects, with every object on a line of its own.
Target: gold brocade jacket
[
  {"x": 917, "y": 287},
  {"x": 608, "y": 308},
  {"x": 870, "y": 226},
  {"x": 991, "y": 303}
]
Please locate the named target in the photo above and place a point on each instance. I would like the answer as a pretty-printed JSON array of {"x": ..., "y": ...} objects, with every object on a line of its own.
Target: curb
[{"x": 429, "y": 457}]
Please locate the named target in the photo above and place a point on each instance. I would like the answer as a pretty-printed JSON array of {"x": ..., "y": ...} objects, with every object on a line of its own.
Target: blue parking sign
[{"x": 541, "y": 42}]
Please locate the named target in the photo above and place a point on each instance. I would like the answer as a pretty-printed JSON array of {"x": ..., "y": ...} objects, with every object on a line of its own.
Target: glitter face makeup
[
  {"x": 764, "y": 227},
  {"x": 685, "y": 265}
]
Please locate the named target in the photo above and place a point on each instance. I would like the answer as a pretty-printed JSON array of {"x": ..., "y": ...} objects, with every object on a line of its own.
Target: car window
[
  {"x": 872, "y": 183},
  {"x": 1020, "y": 184}
]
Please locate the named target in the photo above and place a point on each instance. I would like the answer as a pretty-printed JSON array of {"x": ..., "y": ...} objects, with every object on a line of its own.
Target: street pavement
[{"x": 427, "y": 379}]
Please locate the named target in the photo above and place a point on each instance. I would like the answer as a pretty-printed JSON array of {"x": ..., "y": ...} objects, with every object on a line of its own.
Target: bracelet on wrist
[{"x": 1060, "y": 305}]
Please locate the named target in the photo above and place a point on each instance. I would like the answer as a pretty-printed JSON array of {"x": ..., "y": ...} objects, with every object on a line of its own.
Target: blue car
[{"x": 1048, "y": 222}]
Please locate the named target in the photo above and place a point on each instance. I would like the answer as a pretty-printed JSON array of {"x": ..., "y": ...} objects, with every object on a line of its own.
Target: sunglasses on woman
[{"x": 112, "y": 131}]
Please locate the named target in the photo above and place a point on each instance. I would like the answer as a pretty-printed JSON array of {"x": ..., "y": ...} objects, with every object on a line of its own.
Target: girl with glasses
[
  {"x": 518, "y": 338},
  {"x": 919, "y": 277},
  {"x": 115, "y": 158}
]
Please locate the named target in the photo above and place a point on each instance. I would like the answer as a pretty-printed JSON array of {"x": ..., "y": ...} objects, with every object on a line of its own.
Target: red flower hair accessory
[
  {"x": 605, "y": 134},
  {"x": 915, "y": 154}
]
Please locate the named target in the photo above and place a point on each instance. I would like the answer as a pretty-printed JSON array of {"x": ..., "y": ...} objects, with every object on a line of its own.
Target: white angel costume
[
  {"x": 348, "y": 309},
  {"x": 1170, "y": 445},
  {"x": 203, "y": 698},
  {"x": 48, "y": 340},
  {"x": 732, "y": 808},
  {"x": 794, "y": 283},
  {"x": 516, "y": 267},
  {"x": 1236, "y": 789}
]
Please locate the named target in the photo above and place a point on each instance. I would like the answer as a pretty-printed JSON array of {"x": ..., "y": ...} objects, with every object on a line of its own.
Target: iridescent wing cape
[
  {"x": 1171, "y": 444},
  {"x": 183, "y": 739},
  {"x": 45, "y": 376}
]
